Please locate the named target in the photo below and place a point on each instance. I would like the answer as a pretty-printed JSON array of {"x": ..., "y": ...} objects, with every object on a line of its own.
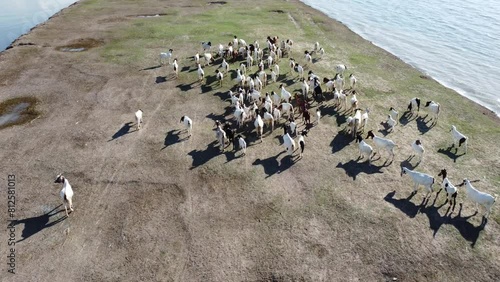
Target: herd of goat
[{"x": 253, "y": 109}]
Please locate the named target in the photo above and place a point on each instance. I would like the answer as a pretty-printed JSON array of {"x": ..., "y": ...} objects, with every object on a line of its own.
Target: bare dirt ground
[{"x": 153, "y": 205}]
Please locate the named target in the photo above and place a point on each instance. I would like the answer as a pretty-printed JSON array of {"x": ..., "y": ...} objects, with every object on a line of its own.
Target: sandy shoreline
[{"x": 153, "y": 205}]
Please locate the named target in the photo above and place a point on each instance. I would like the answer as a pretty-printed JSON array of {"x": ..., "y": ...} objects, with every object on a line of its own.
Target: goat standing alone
[
  {"x": 66, "y": 193},
  {"x": 188, "y": 124},
  {"x": 138, "y": 118},
  {"x": 458, "y": 139}
]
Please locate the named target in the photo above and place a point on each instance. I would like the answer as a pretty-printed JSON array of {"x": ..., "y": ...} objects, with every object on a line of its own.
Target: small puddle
[
  {"x": 17, "y": 111},
  {"x": 65, "y": 49}
]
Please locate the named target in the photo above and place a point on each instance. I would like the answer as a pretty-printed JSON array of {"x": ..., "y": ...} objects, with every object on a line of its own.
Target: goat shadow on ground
[
  {"x": 122, "y": 131},
  {"x": 173, "y": 138},
  {"x": 407, "y": 163},
  {"x": 422, "y": 125},
  {"x": 185, "y": 87},
  {"x": 36, "y": 224},
  {"x": 224, "y": 96},
  {"x": 216, "y": 117},
  {"x": 151, "y": 68},
  {"x": 160, "y": 79},
  {"x": 407, "y": 117},
  {"x": 468, "y": 231},
  {"x": 271, "y": 165},
  {"x": 385, "y": 130},
  {"x": 339, "y": 142},
  {"x": 206, "y": 87},
  {"x": 447, "y": 152},
  {"x": 201, "y": 157},
  {"x": 187, "y": 69},
  {"x": 352, "y": 168}
]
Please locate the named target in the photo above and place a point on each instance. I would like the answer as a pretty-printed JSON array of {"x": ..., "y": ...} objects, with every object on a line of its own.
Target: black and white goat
[
  {"x": 166, "y": 56},
  {"x": 458, "y": 138},
  {"x": 188, "y": 124},
  {"x": 66, "y": 193}
]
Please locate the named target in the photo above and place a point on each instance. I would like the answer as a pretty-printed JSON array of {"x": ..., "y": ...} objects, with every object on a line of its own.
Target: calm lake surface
[
  {"x": 17, "y": 17},
  {"x": 455, "y": 42}
]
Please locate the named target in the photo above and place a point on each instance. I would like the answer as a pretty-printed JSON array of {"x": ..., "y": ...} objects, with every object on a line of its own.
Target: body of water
[
  {"x": 17, "y": 17},
  {"x": 455, "y": 42}
]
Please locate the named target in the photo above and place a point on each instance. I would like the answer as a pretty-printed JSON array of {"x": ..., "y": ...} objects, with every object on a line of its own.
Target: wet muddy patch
[
  {"x": 18, "y": 111},
  {"x": 217, "y": 3},
  {"x": 80, "y": 45}
]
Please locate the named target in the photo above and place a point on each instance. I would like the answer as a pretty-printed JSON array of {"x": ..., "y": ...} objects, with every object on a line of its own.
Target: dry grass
[{"x": 153, "y": 205}]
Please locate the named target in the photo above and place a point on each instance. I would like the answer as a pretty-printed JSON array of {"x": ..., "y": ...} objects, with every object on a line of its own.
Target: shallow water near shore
[
  {"x": 453, "y": 42},
  {"x": 19, "y": 16}
]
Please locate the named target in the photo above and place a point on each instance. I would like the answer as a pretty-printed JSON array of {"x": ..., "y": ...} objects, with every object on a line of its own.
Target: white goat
[
  {"x": 138, "y": 118},
  {"x": 486, "y": 200},
  {"x": 394, "y": 114},
  {"x": 285, "y": 95},
  {"x": 434, "y": 109},
  {"x": 225, "y": 66},
  {"x": 269, "y": 119},
  {"x": 318, "y": 115},
  {"x": 364, "y": 119},
  {"x": 356, "y": 120},
  {"x": 289, "y": 143},
  {"x": 259, "y": 126},
  {"x": 66, "y": 193},
  {"x": 166, "y": 56},
  {"x": 419, "y": 178},
  {"x": 188, "y": 124},
  {"x": 340, "y": 68},
  {"x": 365, "y": 150},
  {"x": 383, "y": 143},
  {"x": 197, "y": 58},
  {"x": 458, "y": 138},
  {"x": 286, "y": 108},
  {"x": 276, "y": 115},
  {"x": 316, "y": 46},
  {"x": 390, "y": 122},
  {"x": 418, "y": 149},
  {"x": 221, "y": 136},
  {"x": 243, "y": 144},
  {"x": 201, "y": 73},
  {"x": 176, "y": 68},
  {"x": 208, "y": 58},
  {"x": 302, "y": 145},
  {"x": 352, "y": 80}
]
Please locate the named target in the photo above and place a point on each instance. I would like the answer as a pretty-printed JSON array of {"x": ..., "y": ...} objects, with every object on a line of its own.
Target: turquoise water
[
  {"x": 455, "y": 42},
  {"x": 17, "y": 17}
]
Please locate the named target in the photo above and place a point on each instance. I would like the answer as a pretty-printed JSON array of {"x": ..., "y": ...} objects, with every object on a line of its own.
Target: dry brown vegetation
[{"x": 152, "y": 205}]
